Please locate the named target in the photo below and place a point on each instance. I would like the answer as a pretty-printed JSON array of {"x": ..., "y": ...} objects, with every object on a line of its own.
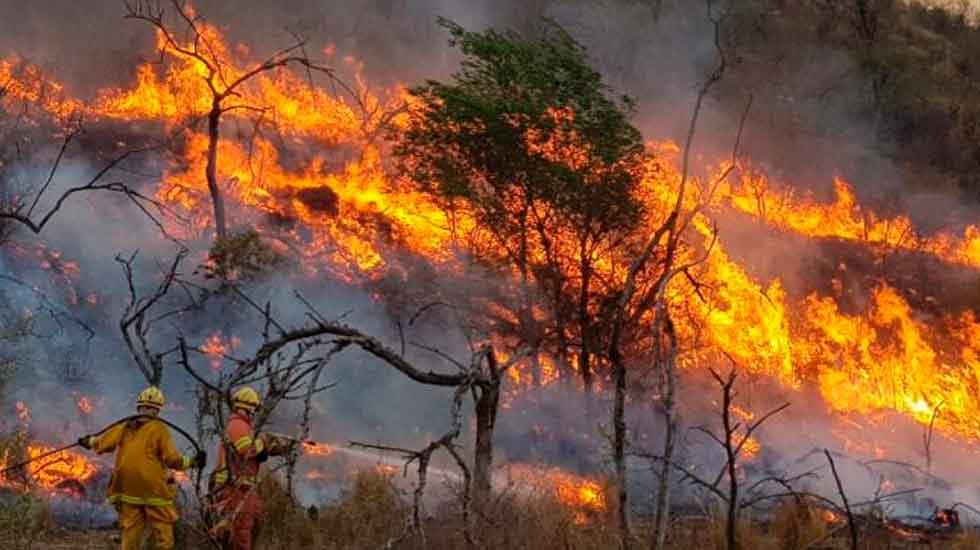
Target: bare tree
[
  {"x": 225, "y": 85},
  {"x": 733, "y": 440},
  {"x": 142, "y": 314},
  {"x": 666, "y": 349},
  {"x": 288, "y": 362},
  {"x": 423, "y": 457},
  {"x": 634, "y": 300},
  {"x": 24, "y": 212},
  {"x": 927, "y": 436}
]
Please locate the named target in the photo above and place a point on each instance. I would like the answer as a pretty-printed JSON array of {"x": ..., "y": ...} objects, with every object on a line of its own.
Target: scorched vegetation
[{"x": 501, "y": 303}]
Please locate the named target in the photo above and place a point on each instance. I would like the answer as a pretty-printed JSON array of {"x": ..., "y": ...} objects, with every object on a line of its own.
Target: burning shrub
[
  {"x": 241, "y": 257},
  {"x": 320, "y": 199},
  {"x": 542, "y": 519}
]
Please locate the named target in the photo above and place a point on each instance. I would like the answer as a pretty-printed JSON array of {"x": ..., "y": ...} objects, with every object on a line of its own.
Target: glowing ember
[
  {"x": 318, "y": 449},
  {"x": 85, "y": 405},
  {"x": 743, "y": 414},
  {"x": 831, "y": 517},
  {"x": 217, "y": 346},
  {"x": 751, "y": 448}
]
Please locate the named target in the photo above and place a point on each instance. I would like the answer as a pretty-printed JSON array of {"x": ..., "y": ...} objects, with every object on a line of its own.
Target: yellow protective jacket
[{"x": 144, "y": 451}]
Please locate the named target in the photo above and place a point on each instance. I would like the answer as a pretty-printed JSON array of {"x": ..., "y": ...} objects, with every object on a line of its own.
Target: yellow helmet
[
  {"x": 245, "y": 398},
  {"x": 151, "y": 397}
]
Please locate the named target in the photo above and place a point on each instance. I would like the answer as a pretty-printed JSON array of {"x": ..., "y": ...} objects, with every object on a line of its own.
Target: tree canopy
[
  {"x": 533, "y": 145},
  {"x": 525, "y": 119}
]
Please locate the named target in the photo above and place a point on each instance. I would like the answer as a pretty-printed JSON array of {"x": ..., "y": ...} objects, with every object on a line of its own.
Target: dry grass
[
  {"x": 371, "y": 512},
  {"x": 368, "y": 514},
  {"x": 798, "y": 525}
]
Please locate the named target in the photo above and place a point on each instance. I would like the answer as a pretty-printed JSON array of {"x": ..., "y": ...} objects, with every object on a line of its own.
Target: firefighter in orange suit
[
  {"x": 140, "y": 489},
  {"x": 235, "y": 478}
]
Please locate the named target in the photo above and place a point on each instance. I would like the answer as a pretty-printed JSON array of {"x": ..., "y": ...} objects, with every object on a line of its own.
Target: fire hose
[
  {"x": 176, "y": 428},
  {"x": 212, "y": 531}
]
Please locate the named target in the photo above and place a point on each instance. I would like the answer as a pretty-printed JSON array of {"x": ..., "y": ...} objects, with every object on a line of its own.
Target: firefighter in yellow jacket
[{"x": 140, "y": 488}]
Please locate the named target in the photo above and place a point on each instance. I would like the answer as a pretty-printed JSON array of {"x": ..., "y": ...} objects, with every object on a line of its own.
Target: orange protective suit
[
  {"x": 139, "y": 487},
  {"x": 235, "y": 493}
]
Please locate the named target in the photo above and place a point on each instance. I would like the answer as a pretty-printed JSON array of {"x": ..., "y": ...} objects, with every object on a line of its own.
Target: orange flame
[
  {"x": 334, "y": 205},
  {"x": 28, "y": 84},
  {"x": 217, "y": 346},
  {"x": 845, "y": 219},
  {"x": 583, "y": 497},
  {"x": 318, "y": 449},
  {"x": 51, "y": 472}
]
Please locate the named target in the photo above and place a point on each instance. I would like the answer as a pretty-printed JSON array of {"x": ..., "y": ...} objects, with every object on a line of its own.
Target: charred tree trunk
[
  {"x": 217, "y": 200},
  {"x": 666, "y": 356},
  {"x": 619, "y": 447},
  {"x": 585, "y": 328},
  {"x": 487, "y": 397},
  {"x": 528, "y": 324},
  {"x": 731, "y": 525},
  {"x": 562, "y": 341}
]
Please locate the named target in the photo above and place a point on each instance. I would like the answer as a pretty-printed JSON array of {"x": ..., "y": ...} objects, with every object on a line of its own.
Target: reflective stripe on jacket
[
  {"x": 243, "y": 467},
  {"x": 144, "y": 452}
]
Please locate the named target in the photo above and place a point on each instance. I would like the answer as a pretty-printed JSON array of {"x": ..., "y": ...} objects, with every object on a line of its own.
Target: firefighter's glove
[
  {"x": 279, "y": 446},
  {"x": 85, "y": 442},
  {"x": 200, "y": 460},
  {"x": 273, "y": 446}
]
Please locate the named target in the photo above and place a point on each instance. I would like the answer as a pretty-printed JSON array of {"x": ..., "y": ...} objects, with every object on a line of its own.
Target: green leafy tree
[{"x": 528, "y": 142}]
